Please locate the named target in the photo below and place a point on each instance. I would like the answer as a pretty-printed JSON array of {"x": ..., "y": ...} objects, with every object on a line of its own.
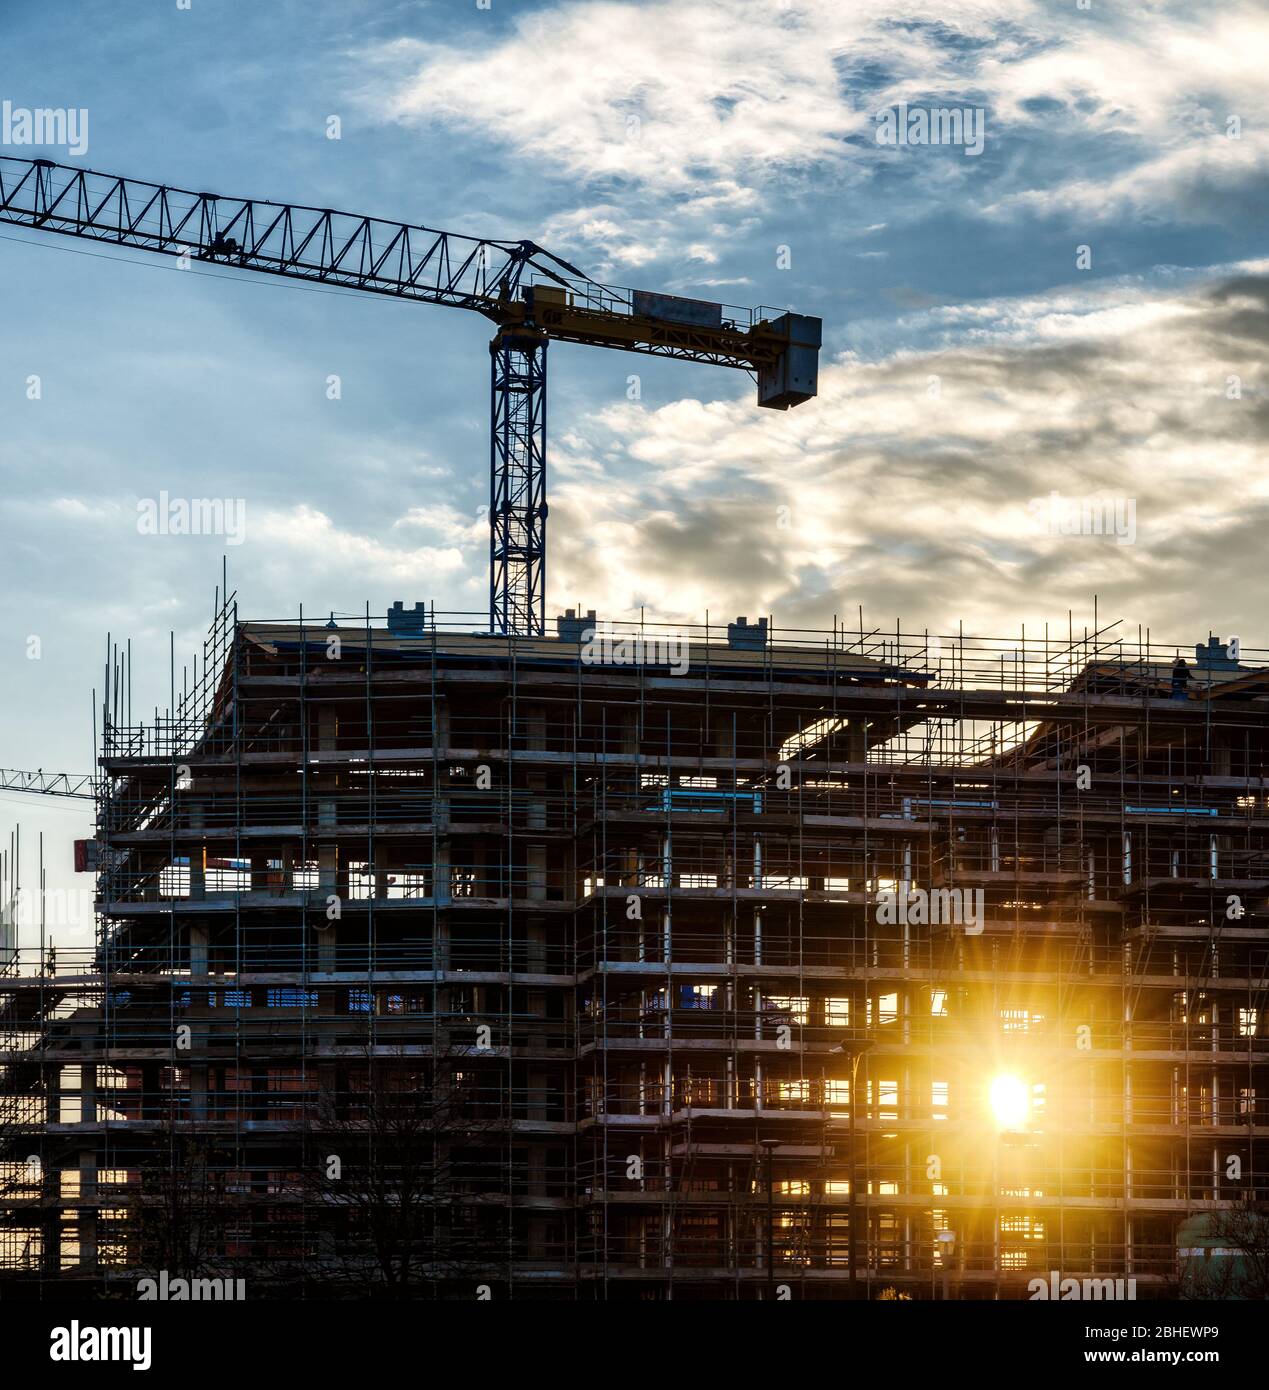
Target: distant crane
[
  {"x": 70, "y": 784},
  {"x": 531, "y": 295},
  {"x": 73, "y": 786}
]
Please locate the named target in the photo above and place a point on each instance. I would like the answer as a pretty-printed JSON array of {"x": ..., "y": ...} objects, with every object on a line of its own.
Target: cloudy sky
[{"x": 1080, "y": 309}]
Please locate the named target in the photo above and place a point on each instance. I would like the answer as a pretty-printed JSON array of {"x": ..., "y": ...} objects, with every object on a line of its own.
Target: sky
[{"x": 1066, "y": 316}]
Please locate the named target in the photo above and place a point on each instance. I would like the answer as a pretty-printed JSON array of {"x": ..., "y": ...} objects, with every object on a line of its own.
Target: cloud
[
  {"x": 664, "y": 120},
  {"x": 81, "y": 510},
  {"x": 919, "y": 484},
  {"x": 311, "y": 536},
  {"x": 716, "y": 107},
  {"x": 1194, "y": 183},
  {"x": 664, "y": 95}
]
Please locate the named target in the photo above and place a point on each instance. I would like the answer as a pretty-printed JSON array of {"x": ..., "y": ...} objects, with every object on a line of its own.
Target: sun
[{"x": 1010, "y": 1102}]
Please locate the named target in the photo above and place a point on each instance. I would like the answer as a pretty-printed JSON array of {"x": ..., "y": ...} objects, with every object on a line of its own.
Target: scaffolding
[{"x": 654, "y": 962}]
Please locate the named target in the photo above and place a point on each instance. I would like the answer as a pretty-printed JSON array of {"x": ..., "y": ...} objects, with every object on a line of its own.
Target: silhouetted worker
[{"x": 1180, "y": 678}]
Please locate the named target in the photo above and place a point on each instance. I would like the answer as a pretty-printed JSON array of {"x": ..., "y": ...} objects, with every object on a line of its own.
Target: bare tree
[
  {"x": 393, "y": 1180},
  {"x": 1237, "y": 1265},
  {"x": 178, "y": 1215}
]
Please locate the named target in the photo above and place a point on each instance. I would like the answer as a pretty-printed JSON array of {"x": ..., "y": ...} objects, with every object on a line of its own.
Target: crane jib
[{"x": 531, "y": 295}]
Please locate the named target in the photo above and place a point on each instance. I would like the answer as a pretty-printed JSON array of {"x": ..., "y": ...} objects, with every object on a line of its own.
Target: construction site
[
  {"x": 730, "y": 962},
  {"x": 503, "y": 956}
]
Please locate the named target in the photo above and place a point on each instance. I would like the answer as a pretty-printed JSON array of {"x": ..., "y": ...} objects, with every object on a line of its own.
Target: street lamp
[
  {"x": 853, "y": 1050},
  {"x": 947, "y": 1240},
  {"x": 769, "y": 1145}
]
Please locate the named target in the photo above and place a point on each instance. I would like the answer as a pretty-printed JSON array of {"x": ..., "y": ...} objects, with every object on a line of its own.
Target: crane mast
[
  {"x": 531, "y": 295},
  {"x": 517, "y": 483}
]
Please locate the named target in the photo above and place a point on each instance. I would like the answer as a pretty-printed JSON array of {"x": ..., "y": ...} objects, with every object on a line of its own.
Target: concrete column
[
  {"x": 536, "y": 869},
  {"x": 199, "y": 933},
  {"x": 441, "y": 889},
  {"x": 198, "y": 1090},
  {"x": 537, "y": 1095},
  {"x": 724, "y": 736},
  {"x": 537, "y": 1171},
  {"x": 87, "y": 1214},
  {"x": 197, "y": 853},
  {"x": 856, "y": 740},
  {"x": 535, "y": 935},
  {"x": 536, "y": 810},
  {"x": 88, "y": 1093}
]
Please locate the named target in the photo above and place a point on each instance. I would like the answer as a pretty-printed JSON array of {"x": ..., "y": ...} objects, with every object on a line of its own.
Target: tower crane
[
  {"x": 75, "y": 785},
  {"x": 532, "y": 297}
]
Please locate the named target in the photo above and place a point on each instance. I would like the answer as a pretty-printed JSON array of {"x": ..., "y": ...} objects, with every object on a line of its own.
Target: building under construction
[{"x": 635, "y": 963}]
